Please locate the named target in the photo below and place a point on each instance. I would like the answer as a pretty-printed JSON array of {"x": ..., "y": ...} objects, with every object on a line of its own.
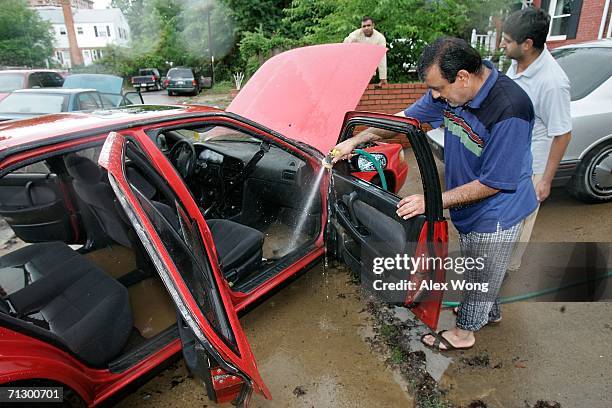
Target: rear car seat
[{"x": 85, "y": 309}]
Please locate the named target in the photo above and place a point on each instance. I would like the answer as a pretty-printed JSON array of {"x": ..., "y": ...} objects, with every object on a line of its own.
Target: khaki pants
[{"x": 526, "y": 229}]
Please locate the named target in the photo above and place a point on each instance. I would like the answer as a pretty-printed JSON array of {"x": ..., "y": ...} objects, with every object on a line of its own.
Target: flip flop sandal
[
  {"x": 439, "y": 339},
  {"x": 456, "y": 310}
]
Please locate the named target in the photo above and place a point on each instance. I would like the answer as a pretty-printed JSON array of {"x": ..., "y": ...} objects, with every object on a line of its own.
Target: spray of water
[{"x": 306, "y": 210}]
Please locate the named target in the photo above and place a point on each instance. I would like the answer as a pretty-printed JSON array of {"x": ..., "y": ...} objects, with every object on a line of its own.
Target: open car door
[
  {"x": 367, "y": 226},
  {"x": 178, "y": 241}
]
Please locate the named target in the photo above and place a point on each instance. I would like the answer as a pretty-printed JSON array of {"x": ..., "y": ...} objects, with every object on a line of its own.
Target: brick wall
[
  {"x": 391, "y": 99},
  {"x": 588, "y": 25}
]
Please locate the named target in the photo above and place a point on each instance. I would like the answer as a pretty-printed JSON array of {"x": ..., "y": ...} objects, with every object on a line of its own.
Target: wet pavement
[
  {"x": 206, "y": 97},
  {"x": 308, "y": 340}
]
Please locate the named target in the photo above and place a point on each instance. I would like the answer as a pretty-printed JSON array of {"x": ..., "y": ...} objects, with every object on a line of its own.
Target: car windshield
[
  {"x": 34, "y": 103},
  {"x": 180, "y": 73},
  {"x": 586, "y": 68},
  {"x": 10, "y": 82},
  {"x": 217, "y": 134}
]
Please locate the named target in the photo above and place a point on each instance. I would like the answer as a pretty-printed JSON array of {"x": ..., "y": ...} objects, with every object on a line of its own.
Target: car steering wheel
[{"x": 183, "y": 157}]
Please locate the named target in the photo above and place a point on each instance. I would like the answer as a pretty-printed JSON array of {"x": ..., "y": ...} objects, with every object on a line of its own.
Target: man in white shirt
[
  {"x": 535, "y": 70},
  {"x": 368, "y": 35}
]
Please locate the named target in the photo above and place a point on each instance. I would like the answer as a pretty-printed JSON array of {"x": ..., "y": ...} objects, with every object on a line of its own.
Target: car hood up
[{"x": 304, "y": 93}]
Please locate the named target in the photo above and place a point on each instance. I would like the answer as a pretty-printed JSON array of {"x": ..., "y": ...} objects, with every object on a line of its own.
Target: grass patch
[{"x": 223, "y": 87}]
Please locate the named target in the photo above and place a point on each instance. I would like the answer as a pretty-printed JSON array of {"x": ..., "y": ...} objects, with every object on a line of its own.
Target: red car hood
[
  {"x": 304, "y": 93},
  {"x": 3, "y": 95}
]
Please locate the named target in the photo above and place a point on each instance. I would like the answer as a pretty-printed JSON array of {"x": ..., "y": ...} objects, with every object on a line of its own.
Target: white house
[{"x": 94, "y": 29}]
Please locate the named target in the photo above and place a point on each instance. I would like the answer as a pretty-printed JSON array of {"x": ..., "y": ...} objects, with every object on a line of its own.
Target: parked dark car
[
  {"x": 147, "y": 78},
  {"x": 29, "y": 103},
  {"x": 11, "y": 80},
  {"x": 184, "y": 80}
]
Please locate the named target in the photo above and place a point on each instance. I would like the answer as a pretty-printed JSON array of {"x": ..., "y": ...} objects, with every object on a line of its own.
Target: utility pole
[
  {"x": 210, "y": 49},
  {"x": 76, "y": 57}
]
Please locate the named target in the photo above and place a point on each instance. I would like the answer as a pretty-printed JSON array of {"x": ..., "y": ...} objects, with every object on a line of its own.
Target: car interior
[{"x": 74, "y": 272}]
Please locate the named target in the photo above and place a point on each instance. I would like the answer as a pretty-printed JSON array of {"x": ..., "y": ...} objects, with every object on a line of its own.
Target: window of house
[
  {"x": 80, "y": 30},
  {"x": 96, "y": 31},
  {"x": 62, "y": 30},
  {"x": 108, "y": 30},
  {"x": 560, "y": 12}
]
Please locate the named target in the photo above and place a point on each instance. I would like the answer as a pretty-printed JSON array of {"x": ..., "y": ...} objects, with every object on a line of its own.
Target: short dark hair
[
  {"x": 528, "y": 23},
  {"x": 451, "y": 55},
  {"x": 366, "y": 18}
]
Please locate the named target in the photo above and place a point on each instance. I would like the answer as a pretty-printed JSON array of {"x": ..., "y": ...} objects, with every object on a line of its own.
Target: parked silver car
[{"x": 586, "y": 167}]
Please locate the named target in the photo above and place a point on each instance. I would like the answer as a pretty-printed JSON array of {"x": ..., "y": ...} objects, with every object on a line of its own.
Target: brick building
[{"x": 575, "y": 21}]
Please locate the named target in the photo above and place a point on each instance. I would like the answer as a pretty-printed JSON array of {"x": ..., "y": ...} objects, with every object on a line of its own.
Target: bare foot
[{"x": 457, "y": 338}]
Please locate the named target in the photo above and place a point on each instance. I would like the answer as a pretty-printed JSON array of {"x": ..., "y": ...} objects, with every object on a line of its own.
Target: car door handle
[{"x": 28, "y": 191}]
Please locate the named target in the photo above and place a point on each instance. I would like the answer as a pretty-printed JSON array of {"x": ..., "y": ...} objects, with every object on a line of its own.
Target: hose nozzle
[{"x": 327, "y": 162}]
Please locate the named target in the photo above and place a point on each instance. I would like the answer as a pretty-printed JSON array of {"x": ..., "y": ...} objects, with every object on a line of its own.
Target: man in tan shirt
[{"x": 368, "y": 35}]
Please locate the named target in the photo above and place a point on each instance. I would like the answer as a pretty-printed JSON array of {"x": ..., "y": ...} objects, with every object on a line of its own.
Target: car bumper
[
  {"x": 181, "y": 88},
  {"x": 147, "y": 85}
]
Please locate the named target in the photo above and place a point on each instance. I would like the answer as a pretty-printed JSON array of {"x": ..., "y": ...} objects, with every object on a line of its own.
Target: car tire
[
  {"x": 591, "y": 182},
  {"x": 170, "y": 93}
]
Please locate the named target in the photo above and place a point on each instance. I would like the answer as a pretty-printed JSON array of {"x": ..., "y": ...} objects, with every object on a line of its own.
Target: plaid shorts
[{"x": 478, "y": 308}]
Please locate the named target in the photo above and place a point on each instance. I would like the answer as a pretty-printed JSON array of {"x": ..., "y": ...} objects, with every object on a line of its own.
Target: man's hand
[
  {"x": 344, "y": 150},
  {"x": 542, "y": 190},
  {"x": 410, "y": 206}
]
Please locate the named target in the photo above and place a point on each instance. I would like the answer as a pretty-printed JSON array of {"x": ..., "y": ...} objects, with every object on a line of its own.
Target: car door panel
[
  {"x": 34, "y": 205},
  {"x": 368, "y": 227},
  {"x": 194, "y": 281}
]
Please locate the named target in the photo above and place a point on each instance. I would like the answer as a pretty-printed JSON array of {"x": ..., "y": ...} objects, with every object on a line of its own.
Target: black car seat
[
  {"x": 72, "y": 302},
  {"x": 98, "y": 195},
  {"x": 239, "y": 247}
]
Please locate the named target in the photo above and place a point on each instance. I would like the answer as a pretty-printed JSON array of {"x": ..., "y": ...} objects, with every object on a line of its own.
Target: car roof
[
  {"x": 54, "y": 90},
  {"x": 44, "y": 128},
  {"x": 604, "y": 43},
  {"x": 24, "y": 71}
]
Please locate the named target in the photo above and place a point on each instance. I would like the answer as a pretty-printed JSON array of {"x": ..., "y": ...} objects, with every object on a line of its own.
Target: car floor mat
[
  {"x": 115, "y": 260},
  {"x": 152, "y": 308}
]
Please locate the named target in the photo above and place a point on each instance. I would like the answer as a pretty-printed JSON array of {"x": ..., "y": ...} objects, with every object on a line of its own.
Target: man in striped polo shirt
[{"x": 488, "y": 122}]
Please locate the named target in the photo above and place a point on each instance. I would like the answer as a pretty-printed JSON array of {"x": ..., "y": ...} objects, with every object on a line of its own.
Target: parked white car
[{"x": 586, "y": 167}]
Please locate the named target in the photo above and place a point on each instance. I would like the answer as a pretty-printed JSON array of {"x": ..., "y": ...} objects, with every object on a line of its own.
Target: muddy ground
[{"x": 318, "y": 343}]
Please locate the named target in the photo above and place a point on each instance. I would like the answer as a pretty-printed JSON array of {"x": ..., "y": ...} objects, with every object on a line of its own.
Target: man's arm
[
  {"x": 557, "y": 150},
  {"x": 382, "y": 65},
  {"x": 345, "y": 149},
  {"x": 466, "y": 194},
  {"x": 352, "y": 37},
  {"x": 425, "y": 110}
]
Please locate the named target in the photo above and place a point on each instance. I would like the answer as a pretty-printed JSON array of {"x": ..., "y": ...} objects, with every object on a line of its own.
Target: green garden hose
[
  {"x": 530, "y": 295},
  {"x": 376, "y": 164}
]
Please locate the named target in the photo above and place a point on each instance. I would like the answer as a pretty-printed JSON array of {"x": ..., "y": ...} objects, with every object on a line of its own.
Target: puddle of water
[{"x": 309, "y": 350}]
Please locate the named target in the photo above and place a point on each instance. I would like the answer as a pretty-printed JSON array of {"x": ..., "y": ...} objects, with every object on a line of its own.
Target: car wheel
[
  {"x": 170, "y": 93},
  {"x": 592, "y": 182}
]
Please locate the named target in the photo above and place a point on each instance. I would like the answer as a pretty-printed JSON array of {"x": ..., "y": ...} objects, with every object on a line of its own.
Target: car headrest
[{"x": 83, "y": 169}]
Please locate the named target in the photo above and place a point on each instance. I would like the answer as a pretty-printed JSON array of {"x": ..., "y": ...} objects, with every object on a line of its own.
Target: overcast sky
[{"x": 101, "y": 4}]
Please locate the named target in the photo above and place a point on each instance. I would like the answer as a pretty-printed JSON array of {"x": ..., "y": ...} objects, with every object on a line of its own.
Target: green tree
[{"x": 25, "y": 39}]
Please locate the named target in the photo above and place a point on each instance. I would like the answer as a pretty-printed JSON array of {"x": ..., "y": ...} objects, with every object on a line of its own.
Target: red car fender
[{"x": 25, "y": 358}]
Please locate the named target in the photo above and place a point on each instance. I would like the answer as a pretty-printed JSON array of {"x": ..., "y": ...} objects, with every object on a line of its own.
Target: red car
[
  {"x": 11, "y": 80},
  {"x": 146, "y": 231}
]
